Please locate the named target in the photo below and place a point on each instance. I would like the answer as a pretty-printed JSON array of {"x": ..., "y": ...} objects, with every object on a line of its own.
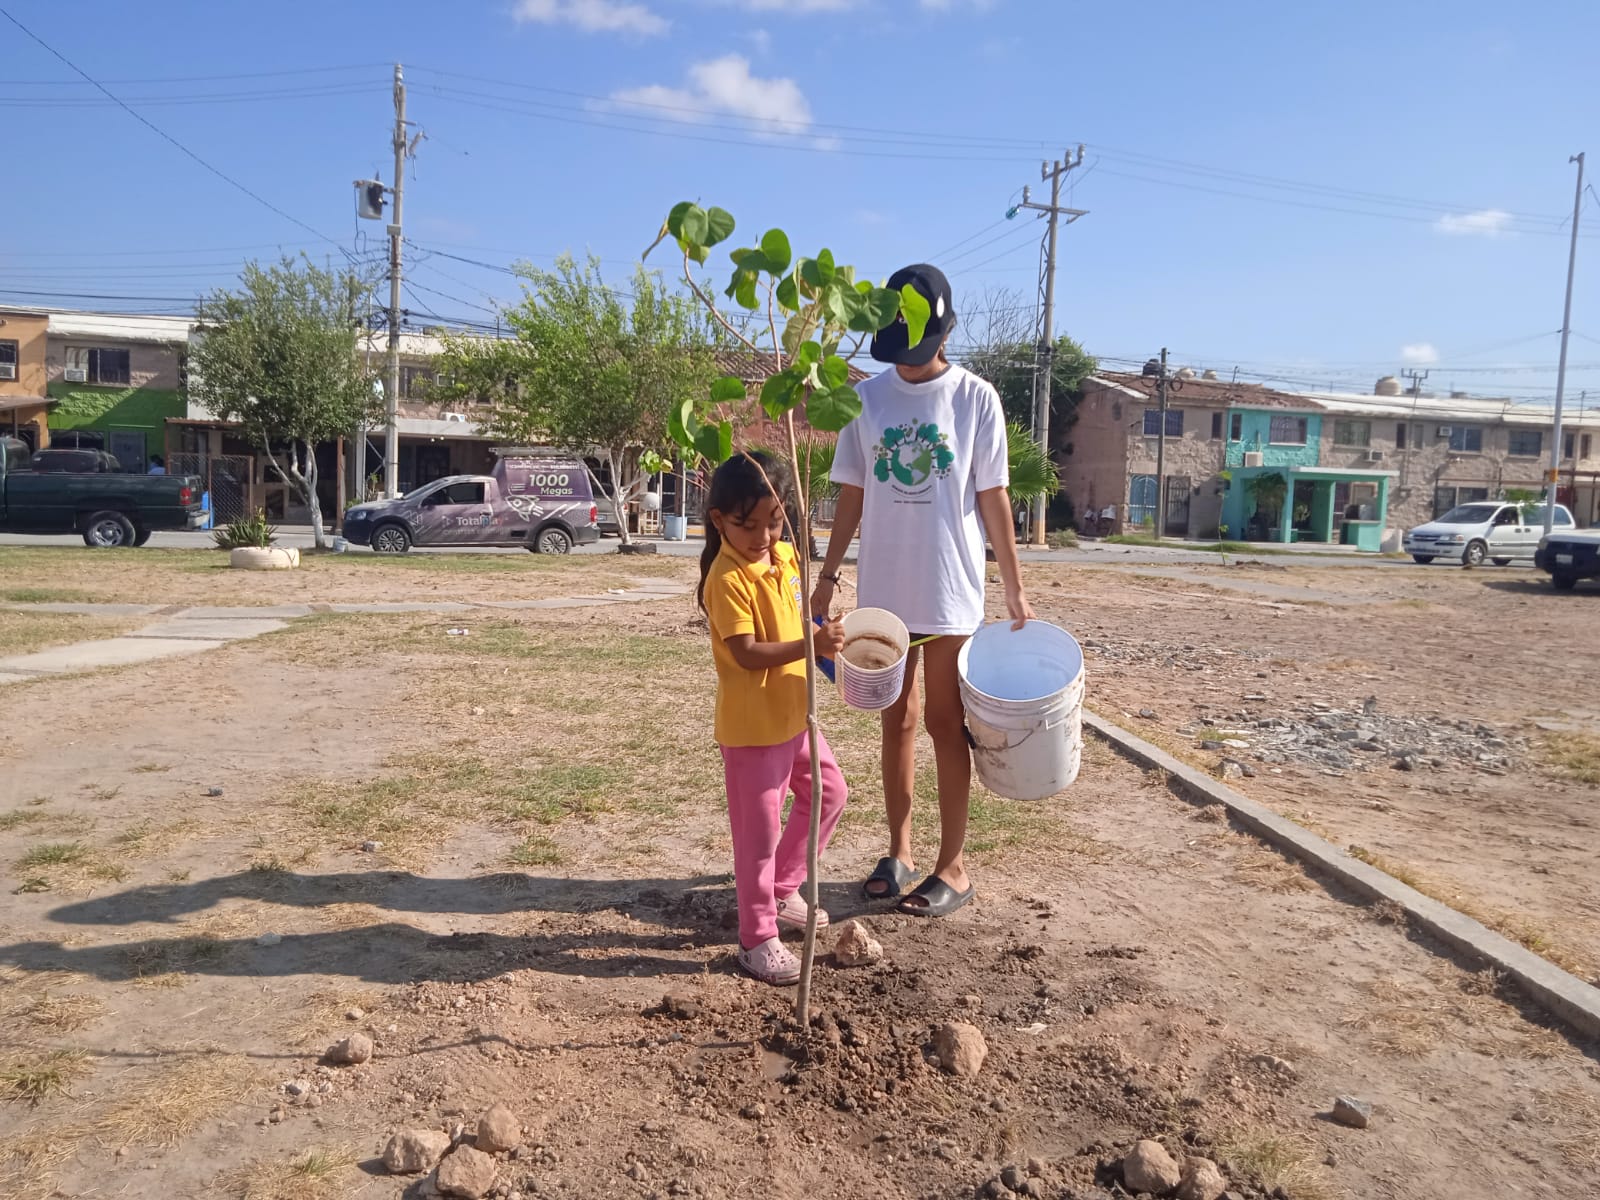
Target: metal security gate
[
  {"x": 1177, "y": 522},
  {"x": 225, "y": 478}
]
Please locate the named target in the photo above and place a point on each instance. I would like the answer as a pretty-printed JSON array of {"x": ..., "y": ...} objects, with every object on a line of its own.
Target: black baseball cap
[{"x": 890, "y": 345}]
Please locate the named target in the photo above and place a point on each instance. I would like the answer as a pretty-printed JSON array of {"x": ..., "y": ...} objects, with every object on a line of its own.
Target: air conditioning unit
[
  {"x": 1374, "y": 456},
  {"x": 8, "y": 370},
  {"x": 1444, "y": 431},
  {"x": 76, "y": 374},
  {"x": 1254, "y": 458}
]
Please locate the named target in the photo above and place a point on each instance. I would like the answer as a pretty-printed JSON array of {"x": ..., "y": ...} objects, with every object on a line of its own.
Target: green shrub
[{"x": 247, "y": 531}]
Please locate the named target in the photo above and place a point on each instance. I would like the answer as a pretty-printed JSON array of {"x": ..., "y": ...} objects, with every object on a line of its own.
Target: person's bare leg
[
  {"x": 900, "y": 769},
  {"x": 947, "y": 725}
]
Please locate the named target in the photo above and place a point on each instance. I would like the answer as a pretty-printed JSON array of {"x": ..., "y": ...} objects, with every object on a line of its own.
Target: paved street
[{"x": 1088, "y": 553}]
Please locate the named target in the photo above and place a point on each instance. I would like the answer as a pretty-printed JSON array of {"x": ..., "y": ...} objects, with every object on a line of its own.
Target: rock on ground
[
  {"x": 1202, "y": 1180},
  {"x": 499, "y": 1130},
  {"x": 856, "y": 947},
  {"x": 1149, "y": 1168},
  {"x": 467, "y": 1173},
  {"x": 1357, "y": 1114},
  {"x": 357, "y": 1048},
  {"x": 415, "y": 1151},
  {"x": 960, "y": 1047}
]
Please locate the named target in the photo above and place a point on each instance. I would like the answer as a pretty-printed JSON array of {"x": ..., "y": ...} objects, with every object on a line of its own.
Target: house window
[
  {"x": 1152, "y": 422},
  {"x": 1446, "y": 498},
  {"x": 1586, "y": 445},
  {"x": 1288, "y": 431},
  {"x": 1216, "y": 427},
  {"x": 1466, "y": 439},
  {"x": 1352, "y": 433},
  {"x": 1526, "y": 443},
  {"x": 107, "y": 368},
  {"x": 1400, "y": 436},
  {"x": 416, "y": 382},
  {"x": 1236, "y": 427},
  {"x": 8, "y": 360}
]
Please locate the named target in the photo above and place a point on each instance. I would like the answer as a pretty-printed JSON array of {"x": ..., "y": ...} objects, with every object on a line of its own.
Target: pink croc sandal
[
  {"x": 771, "y": 963},
  {"x": 792, "y": 910}
]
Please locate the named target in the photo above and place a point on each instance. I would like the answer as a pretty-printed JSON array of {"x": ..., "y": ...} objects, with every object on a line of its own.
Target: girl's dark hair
[{"x": 737, "y": 486}]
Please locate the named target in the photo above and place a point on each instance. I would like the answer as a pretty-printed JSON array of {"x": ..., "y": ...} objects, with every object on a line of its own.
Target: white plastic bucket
[
  {"x": 674, "y": 528},
  {"x": 1023, "y": 692},
  {"x": 873, "y": 689}
]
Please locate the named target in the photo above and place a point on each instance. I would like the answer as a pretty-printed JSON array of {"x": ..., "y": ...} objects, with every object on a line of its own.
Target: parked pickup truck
[
  {"x": 1569, "y": 555},
  {"x": 107, "y": 509},
  {"x": 1483, "y": 529},
  {"x": 543, "y": 504}
]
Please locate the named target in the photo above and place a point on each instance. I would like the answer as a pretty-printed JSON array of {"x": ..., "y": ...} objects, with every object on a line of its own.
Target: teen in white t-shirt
[{"x": 923, "y": 474}]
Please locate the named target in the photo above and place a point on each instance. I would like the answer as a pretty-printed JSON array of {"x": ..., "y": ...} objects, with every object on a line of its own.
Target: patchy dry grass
[
  {"x": 163, "y": 1106},
  {"x": 324, "y": 1011},
  {"x": 1576, "y": 756},
  {"x": 163, "y": 962},
  {"x": 67, "y": 866},
  {"x": 535, "y": 850},
  {"x": 25, "y": 632},
  {"x": 1577, "y": 1112},
  {"x": 29, "y": 1159},
  {"x": 30, "y": 998},
  {"x": 36, "y": 1077},
  {"x": 1278, "y": 1160},
  {"x": 1260, "y": 867},
  {"x": 34, "y": 823},
  {"x": 310, "y": 1176},
  {"x": 1523, "y": 930}
]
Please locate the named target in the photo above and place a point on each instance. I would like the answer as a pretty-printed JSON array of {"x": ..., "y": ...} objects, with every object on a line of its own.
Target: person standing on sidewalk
[{"x": 923, "y": 473}]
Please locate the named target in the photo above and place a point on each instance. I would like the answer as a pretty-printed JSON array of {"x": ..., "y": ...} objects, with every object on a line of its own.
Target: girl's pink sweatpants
[{"x": 769, "y": 855}]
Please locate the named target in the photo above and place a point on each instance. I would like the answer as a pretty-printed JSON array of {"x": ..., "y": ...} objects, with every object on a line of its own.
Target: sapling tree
[{"x": 817, "y": 317}]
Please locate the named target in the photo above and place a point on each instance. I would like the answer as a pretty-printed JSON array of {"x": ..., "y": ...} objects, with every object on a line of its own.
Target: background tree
[
  {"x": 590, "y": 369},
  {"x": 999, "y": 346},
  {"x": 278, "y": 356}
]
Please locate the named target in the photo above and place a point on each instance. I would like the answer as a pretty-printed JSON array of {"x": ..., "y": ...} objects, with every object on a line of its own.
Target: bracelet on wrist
[{"x": 827, "y": 578}]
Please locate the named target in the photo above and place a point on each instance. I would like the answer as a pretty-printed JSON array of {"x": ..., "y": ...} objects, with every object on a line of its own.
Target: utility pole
[
  {"x": 1044, "y": 365},
  {"x": 1561, "y": 370},
  {"x": 1161, "y": 449},
  {"x": 391, "y": 446},
  {"x": 1411, "y": 434}
]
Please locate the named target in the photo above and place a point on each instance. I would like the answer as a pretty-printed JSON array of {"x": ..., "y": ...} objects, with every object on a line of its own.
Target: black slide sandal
[
  {"x": 940, "y": 899},
  {"x": 892, "y": 872}
]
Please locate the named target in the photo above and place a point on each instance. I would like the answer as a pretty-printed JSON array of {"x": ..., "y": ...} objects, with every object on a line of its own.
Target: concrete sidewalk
[{"x": 194, "y": 630}]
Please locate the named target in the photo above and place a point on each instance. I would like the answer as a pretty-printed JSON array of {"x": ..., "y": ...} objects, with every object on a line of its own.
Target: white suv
[{"x": 1488, "y": 529}]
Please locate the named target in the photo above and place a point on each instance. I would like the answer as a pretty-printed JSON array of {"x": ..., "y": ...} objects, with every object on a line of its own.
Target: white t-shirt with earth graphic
[{"x": 921, "y": 453}]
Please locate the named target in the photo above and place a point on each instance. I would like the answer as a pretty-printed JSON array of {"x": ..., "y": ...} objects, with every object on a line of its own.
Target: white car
[{"x": 1486, "y": 529}]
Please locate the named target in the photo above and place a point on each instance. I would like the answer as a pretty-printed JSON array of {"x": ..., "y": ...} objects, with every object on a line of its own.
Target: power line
[
  {"x": 165, "y": 136},
  {"x": 274, "y": 96},
  {"x": 201, "y": 78}
]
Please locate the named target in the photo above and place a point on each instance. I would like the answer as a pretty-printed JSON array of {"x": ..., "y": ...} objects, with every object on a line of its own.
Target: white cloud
[
  {"x": 760, "y": 40},
  {"x": 1488, "y": 222},
  {"x": 593, "y": 16},
  {"x": 1419, "y": 354},
  {"x": 725, "y": 86}
]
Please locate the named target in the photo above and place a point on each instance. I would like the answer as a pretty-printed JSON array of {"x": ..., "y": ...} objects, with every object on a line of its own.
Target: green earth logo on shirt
[{"x": 912, "y": 454}]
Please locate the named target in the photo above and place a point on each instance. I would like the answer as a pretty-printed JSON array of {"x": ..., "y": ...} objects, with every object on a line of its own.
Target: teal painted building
[{"x": 1278, "y": 492}]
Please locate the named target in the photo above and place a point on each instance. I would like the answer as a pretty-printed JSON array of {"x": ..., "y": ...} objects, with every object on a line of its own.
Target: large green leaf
[
  {"x": 715, "y": 442},
  {"x": 877, "y": 310},
  {"x": 831, "y": 410},
  {"x": 915, "y": 307},
  {"x": 841, "y": 305},
  {"x": 788, "y": 294},
  {"x": 744, "y": 292},
  {"x": 676, "y": 216},
  {"x": 728, "y": 388},
  {"x": 835, "y": 371},
  {"x": 719, "y": 225},
  {"x": 808, "y": 355},
  {"x": 818, "y": 271},
  {"x": 696, "y": 252},
  {"x": 782, "y": 391},
  {"x": 678, "y": 418},
  {"x": 775, "y": 246},
  {"x": 694, "y": 225}
]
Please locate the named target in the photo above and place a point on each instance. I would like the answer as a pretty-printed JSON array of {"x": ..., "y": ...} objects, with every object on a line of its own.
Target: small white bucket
[
  {"x": 1023, "y": 692},
  {"x": 873, "y": 689}
]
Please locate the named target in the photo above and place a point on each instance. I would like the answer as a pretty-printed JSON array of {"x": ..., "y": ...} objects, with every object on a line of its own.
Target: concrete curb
[{"x": 1562, "y": 995}]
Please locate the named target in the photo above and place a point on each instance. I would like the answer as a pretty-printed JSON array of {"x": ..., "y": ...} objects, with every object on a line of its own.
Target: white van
[{"x": 1485, "y": 529}]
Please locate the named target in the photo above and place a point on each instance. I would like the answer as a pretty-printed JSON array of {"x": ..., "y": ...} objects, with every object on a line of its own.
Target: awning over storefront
[{"x": 1360, "y": 522}]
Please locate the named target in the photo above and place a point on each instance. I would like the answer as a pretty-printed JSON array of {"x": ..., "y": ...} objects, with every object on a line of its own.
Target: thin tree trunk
[{"x": 802, "y": 537}]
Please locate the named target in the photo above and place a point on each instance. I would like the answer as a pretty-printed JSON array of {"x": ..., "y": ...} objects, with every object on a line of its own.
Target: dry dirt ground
[{"x": 190, "y": 918}]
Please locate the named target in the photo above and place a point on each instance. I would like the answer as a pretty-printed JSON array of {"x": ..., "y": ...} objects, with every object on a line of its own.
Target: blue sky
[{"x": 1318, "y": 193}]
